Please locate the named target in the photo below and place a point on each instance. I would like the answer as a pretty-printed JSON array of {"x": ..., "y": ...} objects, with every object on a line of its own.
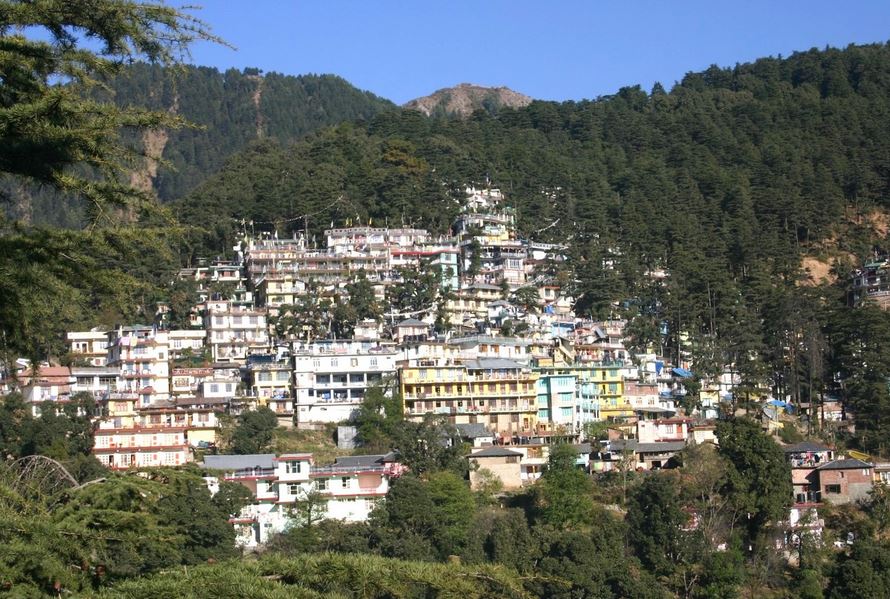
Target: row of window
[
  {"x": 321, "y": 484},
  {"x": 335, "y": 362},
  {"x": 221, "y": 320},
  {"x": 281, "y": 375}
]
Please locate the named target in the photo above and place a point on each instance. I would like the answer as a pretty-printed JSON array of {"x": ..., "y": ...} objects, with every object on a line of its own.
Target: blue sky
[{"x": 548, "y": 49}]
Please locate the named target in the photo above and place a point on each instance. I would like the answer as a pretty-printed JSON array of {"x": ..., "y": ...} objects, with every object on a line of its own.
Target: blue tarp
[{"x": 682, "y": 373}]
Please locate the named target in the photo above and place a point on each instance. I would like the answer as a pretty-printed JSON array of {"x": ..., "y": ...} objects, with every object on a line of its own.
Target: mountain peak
[{"x": 464, "y": 98}]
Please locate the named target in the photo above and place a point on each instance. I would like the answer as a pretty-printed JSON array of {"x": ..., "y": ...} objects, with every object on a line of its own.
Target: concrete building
[
  {"x": 496, "y": 392},
  {"x": 95, "y": 380},
  {"x": 186, "y": 341},
  {"x": 845, "y": 481},
  {"x": 502, "y": 463},
  {"x": 804, "y": 458},
  {"x": 141, "y": 355},
  {"x": 234, "y": 332},
  {"x": 89, "y": 346},
  {"x": 48, "y": 384},
  {"x": 271, "y": 383},
  {"x": 332, "y": 377},
  {"x": 122, "y": 441},
  {"x": 286, "y": 486},
  {"x": 559, "y": 403}
]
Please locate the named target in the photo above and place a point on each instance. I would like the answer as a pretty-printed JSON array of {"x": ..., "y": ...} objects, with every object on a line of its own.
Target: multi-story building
[
  {"x": 332, "y": 377},
  {"x": 271, "y": 382},
  {"x": 123, "y": 440},
  {"x": 496, "y": 392},
  {"x": 291, "y": 487},
  {"x": 185, "y": 382},
  {"x": 141, "y": 446},
  {"x": 872, "y": 283},
  {"x": 141, "y": 354},
  {"x": 376, "y": 251},
  {"x": 804, "y": 458},
  {"x": 600, "y": 384},
  {"x": 95, "y": 380},
  {"x": 486, "y": 346},
  {"x": 274, "y": 290},
  {"x": 600, "y": 342},
  {"x": 186, "y": 341},
  {"x": 199, "y": 416},
  {"x": 49, "y": 384},
  {"x": 90, "y": 346},
  {"x": 234, "y": 332},
  {"x": 640, "y": 394},
  {"x": 442, "y": 256},
  {"x": 490, "y": 250},
  {"x": 470, "y": 303},
  {"x": 561, "y": 403}
]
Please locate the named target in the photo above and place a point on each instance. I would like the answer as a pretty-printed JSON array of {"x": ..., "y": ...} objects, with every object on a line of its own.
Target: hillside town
[{"x": 493, "y": 349}]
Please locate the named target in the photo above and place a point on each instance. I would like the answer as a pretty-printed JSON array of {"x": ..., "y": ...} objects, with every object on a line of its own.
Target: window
[
  {"x": 214, "y": 388},
  {"x": 373, "y": 361},
  {"x": 344, "y": 482},
  {"x": 292, "y": 467},
  {"x": 321, "y": 484},
  {"x": 353, "y": 362},
  {"x": 316, "y": 363},
  {"x": 293, "y": 488},
  {"x": 836, "y": 489},
  {"x": 334, "y": 362}
]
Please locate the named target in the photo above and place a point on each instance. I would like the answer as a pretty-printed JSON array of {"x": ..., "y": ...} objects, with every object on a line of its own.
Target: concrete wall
[{"x": 507, "y": 473}]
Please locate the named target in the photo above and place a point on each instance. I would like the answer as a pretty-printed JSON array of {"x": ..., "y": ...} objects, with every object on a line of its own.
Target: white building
[
  {"x": 186, "y": 340},
  {"x": 141, "y": 446},
  {"x": 332, "y": 377},
  {"x": 90, "y": 346},
  {"x": 234, "y": 332},
  {"x": 290, "y": 487},
  {"x": 95, "y": 380},
  {"x": 141, "y": 353}
]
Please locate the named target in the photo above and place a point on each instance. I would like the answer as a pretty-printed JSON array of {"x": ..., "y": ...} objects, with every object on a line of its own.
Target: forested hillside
[
  {"x": 728, "y": 181},
  {"x": 228, "y": 111}
]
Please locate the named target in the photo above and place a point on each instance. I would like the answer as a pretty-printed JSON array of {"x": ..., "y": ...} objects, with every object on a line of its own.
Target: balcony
[{"x": 252, "y": 473}]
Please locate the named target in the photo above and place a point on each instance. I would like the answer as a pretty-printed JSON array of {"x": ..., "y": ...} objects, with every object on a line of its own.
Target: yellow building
[{"x": 496, "y": 392}]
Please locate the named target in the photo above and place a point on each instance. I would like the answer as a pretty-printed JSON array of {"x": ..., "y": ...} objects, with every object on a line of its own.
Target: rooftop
[
  {"x": 240, "y": 462},
  {"x": 805, "y": 447},
  {"x": 474, "y": 430},
  {"x": 492, "y": 364},
  {"x": 845, "y": 464},
  {"x": 495, "y": 452}
]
